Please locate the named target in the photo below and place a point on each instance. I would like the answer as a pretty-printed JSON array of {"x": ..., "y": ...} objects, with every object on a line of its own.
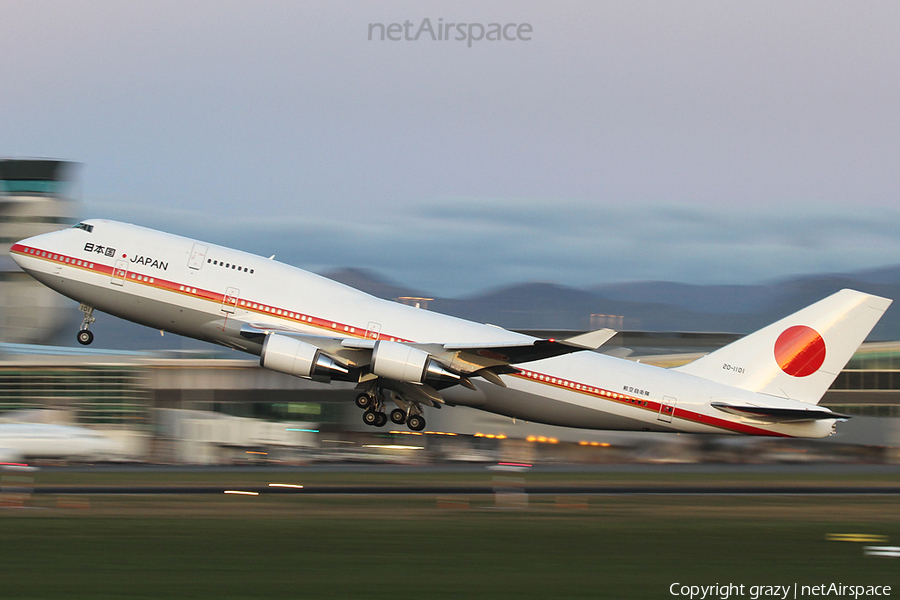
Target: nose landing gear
[{"x": 85, "y": 336}]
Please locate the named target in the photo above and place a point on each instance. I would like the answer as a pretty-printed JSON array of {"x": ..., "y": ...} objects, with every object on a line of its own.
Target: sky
[{"x": 692, "y": 141}]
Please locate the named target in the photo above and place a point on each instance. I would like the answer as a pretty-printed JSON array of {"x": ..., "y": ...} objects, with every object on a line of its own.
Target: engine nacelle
[
  {"x": 393, "y": 360},
  {"x": 295, "y": 357}
]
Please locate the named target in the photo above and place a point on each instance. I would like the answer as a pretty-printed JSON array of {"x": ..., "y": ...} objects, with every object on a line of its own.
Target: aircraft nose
[
  {"x": 19, "y": 249},
  {"x": 15, "y": 258}
]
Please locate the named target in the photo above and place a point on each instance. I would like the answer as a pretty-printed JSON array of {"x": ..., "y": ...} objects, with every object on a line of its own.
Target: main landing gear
[
  {"x": 398, "y": 416},
  {"x": 373, "y": 403},
  {"x": 85, "y": 336},
  {"x": 415, "y": 422}
]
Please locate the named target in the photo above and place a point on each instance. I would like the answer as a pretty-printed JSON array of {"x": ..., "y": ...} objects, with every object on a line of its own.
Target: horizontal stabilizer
[{"x": 777, "y": 414}]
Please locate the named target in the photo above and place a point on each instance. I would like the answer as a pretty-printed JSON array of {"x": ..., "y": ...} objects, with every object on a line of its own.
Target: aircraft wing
[
  {"x": 459, "y": 360},
  {"x": 480, "y": 356}
]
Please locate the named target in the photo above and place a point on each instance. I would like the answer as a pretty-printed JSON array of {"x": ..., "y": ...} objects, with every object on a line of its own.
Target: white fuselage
[{"x": 208, "y": 292}]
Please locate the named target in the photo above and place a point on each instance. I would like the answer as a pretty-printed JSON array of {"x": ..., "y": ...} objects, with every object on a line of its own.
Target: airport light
[
  {"x": 392, "y": 447},
  {"x": 856, "y": 537}
]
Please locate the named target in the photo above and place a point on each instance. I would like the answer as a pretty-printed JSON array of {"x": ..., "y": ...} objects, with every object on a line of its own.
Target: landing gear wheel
[
  {"x": 370, "y": 417},
  {"x": 398, "y": 416},
  {"x": 374, "y": 418},
  {"x": 365, "y": 401},
  {"x": 416, "y": 422},
  {"x": 85, "y": 337}
]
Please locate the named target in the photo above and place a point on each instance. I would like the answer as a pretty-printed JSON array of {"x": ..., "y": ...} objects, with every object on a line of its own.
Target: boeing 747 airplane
[{"x": 767, "y": 383}]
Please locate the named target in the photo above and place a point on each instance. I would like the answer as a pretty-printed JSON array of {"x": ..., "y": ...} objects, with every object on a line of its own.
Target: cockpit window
[{"x": 85, "y": 226}]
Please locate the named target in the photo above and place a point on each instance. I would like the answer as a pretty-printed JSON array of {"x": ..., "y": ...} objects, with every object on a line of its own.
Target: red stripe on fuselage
[
  {"x": 651, "y": 406},
  {"x": 194, "y": 292}
]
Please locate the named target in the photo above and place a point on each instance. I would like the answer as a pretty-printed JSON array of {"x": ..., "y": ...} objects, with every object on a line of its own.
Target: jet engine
[
  {"x": 393, "y": 360},
  {"x": 294, "y": 357}
]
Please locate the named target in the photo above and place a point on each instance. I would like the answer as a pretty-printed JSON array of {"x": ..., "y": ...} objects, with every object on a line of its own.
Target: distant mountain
[
  {"x": 523, "y": 306},
  {"x": 884, "y": 276},
  {"x": 647, "y": 305},
  {"x": 371, "y": 283},
  {"x": 716, "y": 299},
  {"x": 666, "y": 306},
  {"x": 549, "y": 306}
]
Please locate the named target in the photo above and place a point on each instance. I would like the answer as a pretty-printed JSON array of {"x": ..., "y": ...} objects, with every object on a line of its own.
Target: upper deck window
[{"x": 85, "y": 226}]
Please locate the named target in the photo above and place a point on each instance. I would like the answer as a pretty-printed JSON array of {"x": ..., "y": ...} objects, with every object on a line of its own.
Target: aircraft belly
[
  {"x": 138, "y": 308},
  {"x": 538, "y": 408}
]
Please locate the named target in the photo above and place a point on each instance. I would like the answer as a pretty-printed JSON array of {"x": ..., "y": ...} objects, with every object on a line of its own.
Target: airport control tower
[{"x": 33, "y": 200}]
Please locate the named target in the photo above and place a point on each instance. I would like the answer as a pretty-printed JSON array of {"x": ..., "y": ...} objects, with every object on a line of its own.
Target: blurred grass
[{"x": 390, "y": 547}]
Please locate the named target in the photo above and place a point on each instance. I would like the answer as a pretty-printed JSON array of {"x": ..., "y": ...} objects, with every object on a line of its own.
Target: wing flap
[{"x": 493, "y": 354}]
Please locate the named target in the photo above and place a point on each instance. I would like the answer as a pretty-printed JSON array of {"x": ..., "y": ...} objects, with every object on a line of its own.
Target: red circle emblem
[{"x": 800, "y": 351}]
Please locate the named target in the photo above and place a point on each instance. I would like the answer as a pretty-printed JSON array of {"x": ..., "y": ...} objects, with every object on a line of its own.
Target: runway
[{"x": 472, "y": 490}]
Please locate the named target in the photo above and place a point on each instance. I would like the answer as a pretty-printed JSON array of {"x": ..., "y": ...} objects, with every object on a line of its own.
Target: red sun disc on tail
[{"x": 800, "y": 351}]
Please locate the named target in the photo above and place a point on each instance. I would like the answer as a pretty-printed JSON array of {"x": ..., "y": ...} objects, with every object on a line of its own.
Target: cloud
[
  {"x": 457, "y": 246},
  {"x": 698, "y": 141}
]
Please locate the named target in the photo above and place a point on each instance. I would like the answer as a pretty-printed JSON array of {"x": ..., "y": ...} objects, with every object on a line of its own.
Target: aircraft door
[
  {"x": 373, "y": 330},
  {"x": 198, "y": 256},
  {"x": 120, "y": 271},
  {"x": 667, "y": 409},
  {"x": 229, "y": 303}
]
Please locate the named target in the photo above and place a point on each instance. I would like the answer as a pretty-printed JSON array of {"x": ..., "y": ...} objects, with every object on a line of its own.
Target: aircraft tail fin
[{"x": 799, "y": 356}]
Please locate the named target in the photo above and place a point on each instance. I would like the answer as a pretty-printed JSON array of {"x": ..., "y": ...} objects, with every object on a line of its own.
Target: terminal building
[{"x": 34, "y": 199}]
